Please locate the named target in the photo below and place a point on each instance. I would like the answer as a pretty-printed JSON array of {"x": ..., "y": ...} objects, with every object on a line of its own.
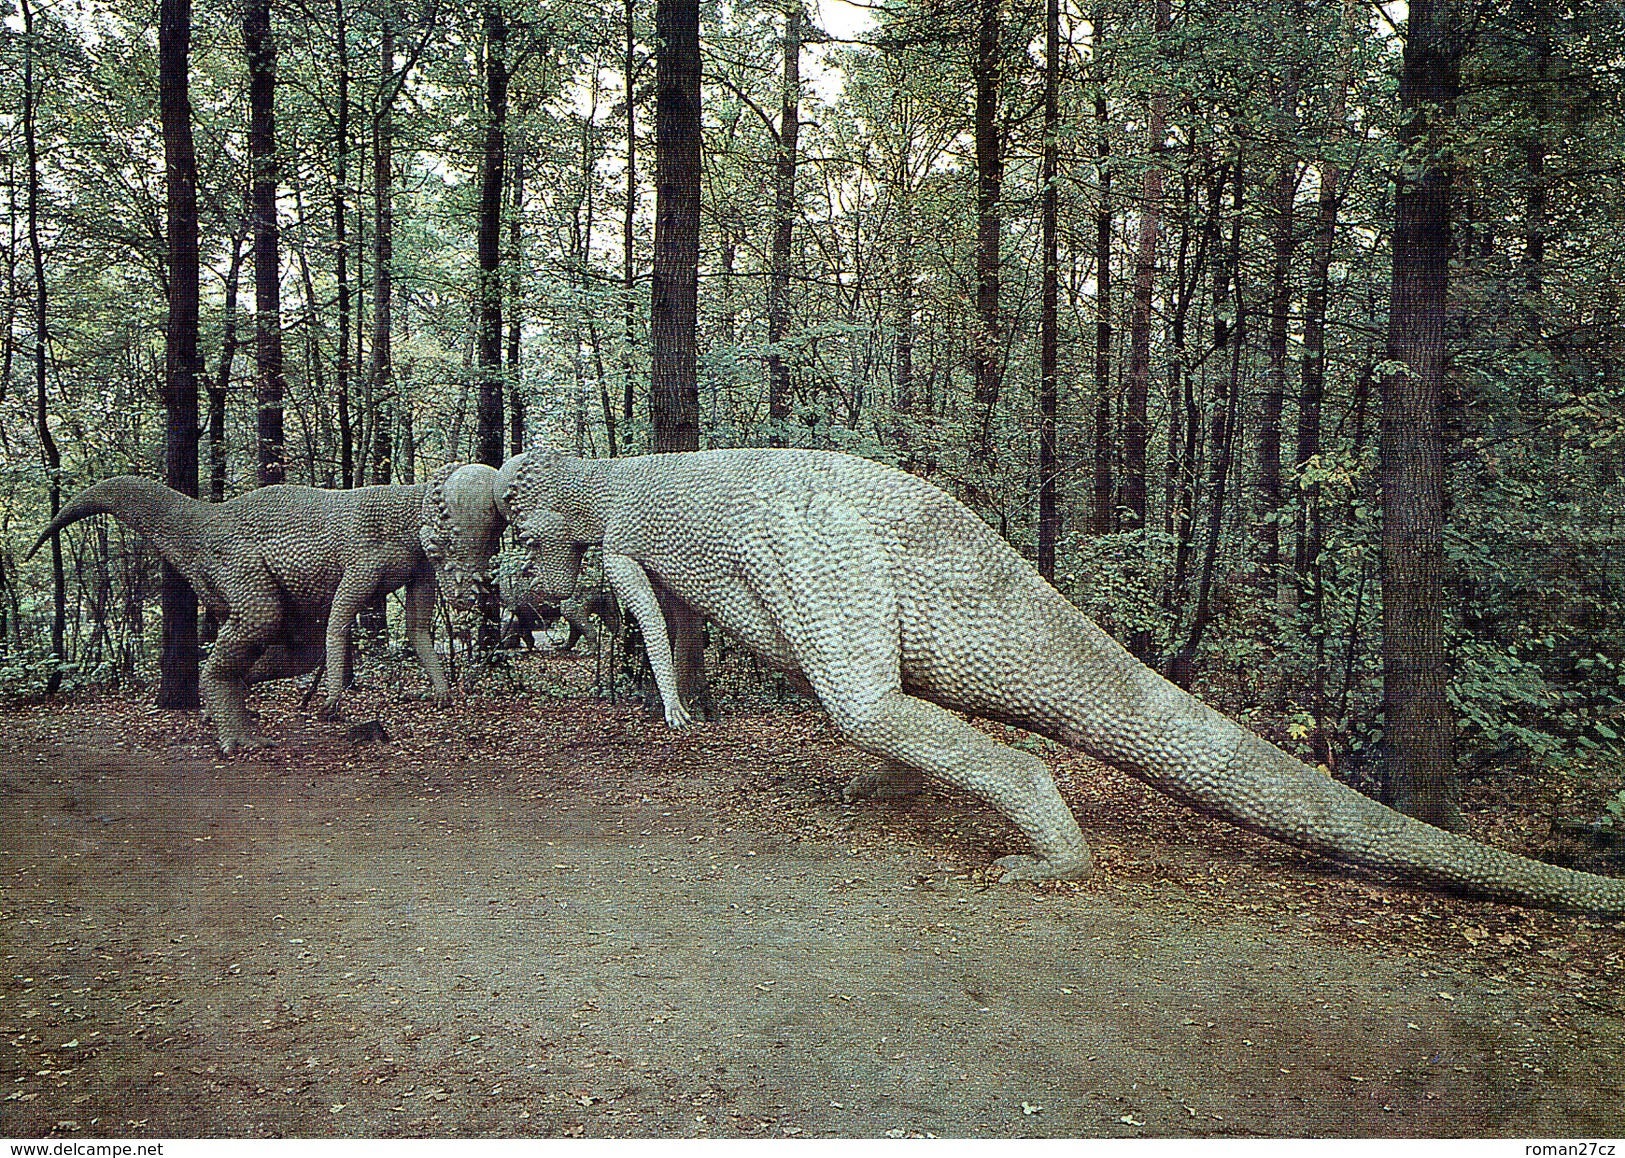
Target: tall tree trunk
[
  {"x": 987, "y": 348},
  {"x": 48, "y": 447},
  {"x": 1103, "y": 503},
  {"x": 1228, "y": 272},
  {"x": 674, "y": 395},
  {"x": 341, "y": 157},
  {"x": 222, "y": 377},
  {"x": 1135, "y": 427},
  {"x": 382, "y": 373},
  {"x": 905, "y": 291},
  {"x": 1309, "y": 536},
  {"x": 1049, "y": 517},
  {"x": 488, "y": 410},
  {"x": 261, "y": 52},
  {"x": 178, "y": 660},
  {"x": 1283, "y": 193},
  {"x": 784, "y": 229},
  {"x": 516, "y": 253},
  {"x": 628, "y": 248},
  {"x": 1415, "y": 675},
  {"x": 784, "y": 217}
]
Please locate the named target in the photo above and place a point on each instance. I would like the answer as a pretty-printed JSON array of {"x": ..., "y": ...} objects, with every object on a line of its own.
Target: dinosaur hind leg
[
  {"x": 224, "y": 679},
  {"x": 826, "y": 585},
  {"x": 893, "y": 781},
  {"x": 933, "y": 740}
]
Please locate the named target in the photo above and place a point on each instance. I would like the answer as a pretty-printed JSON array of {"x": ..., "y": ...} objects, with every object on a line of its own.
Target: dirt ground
[{"x": 547, "y": 915}]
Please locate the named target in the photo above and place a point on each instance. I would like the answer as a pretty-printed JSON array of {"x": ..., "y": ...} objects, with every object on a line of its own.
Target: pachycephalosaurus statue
[
  {"x": 285, "y": 569},
  {"x": 902, "y": 609}
]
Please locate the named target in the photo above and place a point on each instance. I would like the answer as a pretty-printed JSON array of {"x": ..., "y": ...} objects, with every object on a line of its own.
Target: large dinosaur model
[
  {"x": 286, "y": 568},
  {"x": 902, "y": 609}
]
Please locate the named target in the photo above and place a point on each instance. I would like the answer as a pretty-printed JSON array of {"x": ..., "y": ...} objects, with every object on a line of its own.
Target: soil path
[{"x": 555, "y": 917}]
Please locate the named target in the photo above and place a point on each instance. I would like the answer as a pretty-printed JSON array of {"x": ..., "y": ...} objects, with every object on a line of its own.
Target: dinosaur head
[
  {"x": 555, "y": 553},
  {"x": 461, "y": 531}
]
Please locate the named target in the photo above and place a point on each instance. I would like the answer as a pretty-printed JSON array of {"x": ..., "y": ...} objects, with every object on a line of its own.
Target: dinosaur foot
[
  {"x": 242, "y": 745},
  {"x": 886, "y": 785},
  {"x": 330, "y": 710},
  {"x": 1031, "y": 868}
]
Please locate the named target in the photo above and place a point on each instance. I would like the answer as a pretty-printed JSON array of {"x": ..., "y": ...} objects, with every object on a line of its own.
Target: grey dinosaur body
[
  {"x": 902, "y": 609},
  {"x": 285, "y": 569}
]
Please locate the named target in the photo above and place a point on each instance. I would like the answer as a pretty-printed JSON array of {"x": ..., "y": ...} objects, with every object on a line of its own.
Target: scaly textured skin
[
  {"x": 902, "y": 608},
  {"x": 285, "y": 569}
]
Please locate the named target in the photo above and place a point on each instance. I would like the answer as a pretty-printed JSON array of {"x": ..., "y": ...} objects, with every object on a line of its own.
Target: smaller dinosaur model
[
  {"x": 532, "y": 612},
  {"x": 286, "y": 569},
  {"x": 902, "y": 609}
]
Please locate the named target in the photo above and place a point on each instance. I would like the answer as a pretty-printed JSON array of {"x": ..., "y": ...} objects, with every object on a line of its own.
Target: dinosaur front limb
[
  {"x": 352, "y": 594},
  {"x": 632, "y": 586},
  {"x": 421, "y": 594}
]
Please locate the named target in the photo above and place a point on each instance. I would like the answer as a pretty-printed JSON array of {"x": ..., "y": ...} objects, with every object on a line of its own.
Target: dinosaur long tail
[
  {"x": 1183, "y": 747},
  {"x": 144, "y": 505}
]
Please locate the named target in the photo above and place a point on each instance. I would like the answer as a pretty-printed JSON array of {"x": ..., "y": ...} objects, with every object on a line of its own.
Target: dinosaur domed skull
[{"x": 461, "y": 532}]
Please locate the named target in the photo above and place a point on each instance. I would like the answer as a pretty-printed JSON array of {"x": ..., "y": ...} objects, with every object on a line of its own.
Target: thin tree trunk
[
  {"x": 1135, "y": 426},
  {"x": 261, "y": 52},
  {"x": 1283, "y": 193},
  {"x": 1415, "y": 671},
  {"x": 987, "y": 349},
  {"x": 1182, "y": 669},
  {"x": 516, "y": 253},
  {"x": 629, "y": 271},
  {"x": 222, "y": 381},
  {"x": 1049, "y": 517},
  {"x": 48, "y": 447},
  {"x": 1309, "y": 536},
  {"x": 341, "y": 156},
  {"x": 1103, "y": 504},
  {"x": 784, "y": 209},
  {"x": 488, "y": 410},
  {"x": 382, "y": 373}
]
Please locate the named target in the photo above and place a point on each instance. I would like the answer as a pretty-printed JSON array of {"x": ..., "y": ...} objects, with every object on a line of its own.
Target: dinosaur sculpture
[
  {"x": 902, "y": 609},
  {"x": 532, "y": 612},
  {"x": 286, "y": 568}
]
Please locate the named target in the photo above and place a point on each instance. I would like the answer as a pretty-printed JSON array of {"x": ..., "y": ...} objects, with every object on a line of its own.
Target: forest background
[{"x": 1283, "y": 335}]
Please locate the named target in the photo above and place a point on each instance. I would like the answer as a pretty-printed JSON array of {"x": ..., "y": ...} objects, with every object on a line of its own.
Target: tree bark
[
  {"x": 1049, "y": 517},
  {"x": 341, "y": 156},
  {"x": 1227, "y": 274},
  {"x": 1309, "y": 535},
  {"x": 674, "y": 397},
  {"x": 178, "y": 660},
  {"x": 48, "y": 447},
  {"x": 1283, "y": 193},
  {"x": 784, "y": 211},
  {"x": 629, "y": 251},
  {"x": 222, "y": 378},
  {"x": 382, "y": 373},
  {"x": 1135, "y": 426},
  {"x": 987, "y": 348},
  {"x": 261, "y": 52},
  {"x": 488, "y": 409},
  {"x": 1415, "y": 673},
  {"x": 1103, "y": 500},
  {"x": 516, "y": 251}
]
